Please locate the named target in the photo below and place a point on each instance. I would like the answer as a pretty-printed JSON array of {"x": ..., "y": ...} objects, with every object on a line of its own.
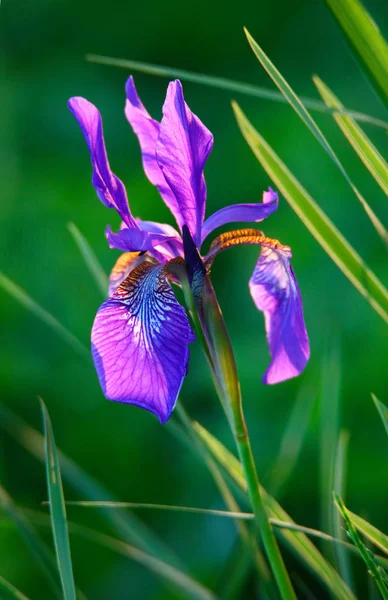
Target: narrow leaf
[
  {"x": 58, "y": 509},
  {"x": 366, "y": 40},
  {"x": 383, "y": 411},
  {"x": 90, "y": 259},
  {"x": 373, "y": 534},
  {"x": 340, "y": 473},
  {"x": 362, "y": 145},
  {"x": 9, "y": 592},
  {"x": 222, "y": 83},
  {"x": 324, "y": 231},
  {"x": 301, "y": 111}
]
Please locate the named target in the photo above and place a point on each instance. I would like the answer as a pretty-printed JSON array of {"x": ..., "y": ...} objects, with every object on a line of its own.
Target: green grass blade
[
  {"x": 324, "y": 231},
  {"x": 301, "y": 111},
  {"x": 377, "y": 537},
  {"x": 9, "y": 592},
  {"x": 127, "y": 525},
  {"x": 92, "y": 263},
  {"x": 58, "y": 509},
  {"x": 222, "y": 83},
  {"x": 296, "y": 540},
  {"x": 292, "y": 441},
  {"x": 25, "y": 300},
  {"x": 340, "y": 471},
  {"x": 374, "y": 569},
  {"x": 383, "y": 411},
  {"x": 366, "y": 40},
  {"x": 362, "y": 145}
]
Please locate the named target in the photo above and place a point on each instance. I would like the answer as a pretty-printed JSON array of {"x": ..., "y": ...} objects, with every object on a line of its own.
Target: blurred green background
[{"x": 45, "y": 184}]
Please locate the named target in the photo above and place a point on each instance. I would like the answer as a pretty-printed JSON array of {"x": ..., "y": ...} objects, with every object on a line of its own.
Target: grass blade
[
  {"x": 373, "y": 534},
  {"x": 25, "y": 300},
  {"x": 365, "y": 39},
  {"x": 296, "y": 540},
  {"x": 374, "y": 569},
  {"x": 340, "y": 470},
  {"x": 383, "y": 411},
  {"x": 301, "y": 111},
  {"x": 92, "y": 263},
  {"x": 222, "y": 83},
  {"x": 324, "y": 231},
  {"x": 9, "y": 592},
  {"x": 58, "y": 509},
  {"x": 362, "y": 145}
]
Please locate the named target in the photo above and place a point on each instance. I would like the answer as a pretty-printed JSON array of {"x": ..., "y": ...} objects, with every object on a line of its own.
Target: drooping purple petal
[
  {"x": 109, "y": 188},
  {"x": 140, "y": 342},
  {"x": 275, "y": 291},
  {"x": 244, "y": 213},
  {"x": 124, "y": 265},
  {"x": 147, "y": 131},
  {"x": 182, "y": 148},
  {"x": 130, "y": 239}
]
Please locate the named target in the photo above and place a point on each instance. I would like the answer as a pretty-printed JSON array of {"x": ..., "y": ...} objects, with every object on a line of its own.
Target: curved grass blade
[
  {"x": 340, "y": 470},
  {"x": 317, "y": 222},
  {"x": 307, "y": 119},
  {"x": 377, "y": 537},
  {"x": 9, "y": 592},
  {"x": 374, "y": 569},
  {"x": 383, "y": 411},
  {"x": 238, "y": 87},
  {"x": 296, "y": 540},
  {"x": 90, "y": 259},
  {"x": 58, "y": 509},
  {"x": 361, "y": 144},
  {"x": 25, "y": 300},
  {"x": 365, "y": 39}
]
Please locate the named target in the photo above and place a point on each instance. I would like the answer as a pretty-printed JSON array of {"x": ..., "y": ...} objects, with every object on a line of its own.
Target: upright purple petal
[
  {"x": 244, "y": 213},
  {"x": 275, "y": 291},
  {"x": 140, "y": 342},
  {"x": 183, "y": 146},
  {"x": 147, "y": 131},
  {"x": 109, "y": 188}
]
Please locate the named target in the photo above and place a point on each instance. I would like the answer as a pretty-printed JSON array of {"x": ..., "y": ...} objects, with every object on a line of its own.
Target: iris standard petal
[
  {"x": 275, "y": 291},
  {"x": 109, "y": 188},
  {"x": 182, "y": 148},
  {"x": 147, "y": 131},
  {"x": 140, "y": 342},
  {"x": 171, "y": 249},
  {"x": 244, "y": 213},
  {"x": 130, "y": 239}
]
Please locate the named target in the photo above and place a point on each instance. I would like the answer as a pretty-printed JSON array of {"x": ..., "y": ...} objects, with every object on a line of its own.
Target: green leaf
[
  {"x": 324, "y": 231},
  {"x": 362, "y": 145},
  {"x": 374, "y": 569},
  {"x": 9, "y": 592},
  {"x": 25, "y": 300},
  {"x": 340, "y": 471},
  {"x": 301, "y": 111},
  {"x": 222, "y": 83},
  {"x": 96, "y": 271},
  {"x": 383, "y": 411},
  {"x": 377, "y": 538},
  {"x": 58, "y": 509},
  {"x": 297, "y": 541},
  {"x": 366, "y": 40}
]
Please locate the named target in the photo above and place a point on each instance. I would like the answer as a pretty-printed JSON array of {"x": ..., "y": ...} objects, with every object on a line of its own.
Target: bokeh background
[{"x": 45, "y": 184}]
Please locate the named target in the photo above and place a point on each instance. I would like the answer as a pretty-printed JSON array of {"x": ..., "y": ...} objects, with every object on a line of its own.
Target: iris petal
[
  {"x": 110, "y": 189},
  {"x": 140, "y": 342},
  {"x": 244, "y": 213},
  {"x": 275, "y": 291},
  {"x": 182, "y": 149},
  {"x": 130, "y": 239},
  {"x": 125, "y": 263}
]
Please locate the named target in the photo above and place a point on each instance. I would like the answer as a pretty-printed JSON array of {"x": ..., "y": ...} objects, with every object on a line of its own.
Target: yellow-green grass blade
[
  {"x": 374, "y": 569},
  {"x": 222, "y": 83},
  {"x": 366, "y": 40},
  {"x": 361, "y": 144},
  {"x": 317, "y": 222},
  {"x": 58, "y": 509},
  {"x": 340, "y": 472},
  {"x": 307, "y": 119},
  {"x": 383, "y": 411},
  {"x": 9, "y": 592},
  {"x": 377, "y": 537},
  {"x": 92, "y": 263},
  {"x": 298, "y": 542},
  {"x": 125, "y": 524},
  {"x": 18, "y": 294}
]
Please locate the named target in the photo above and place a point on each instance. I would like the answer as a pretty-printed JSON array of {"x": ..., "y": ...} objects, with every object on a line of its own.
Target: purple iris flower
[{"x": 141, "y": 334}]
